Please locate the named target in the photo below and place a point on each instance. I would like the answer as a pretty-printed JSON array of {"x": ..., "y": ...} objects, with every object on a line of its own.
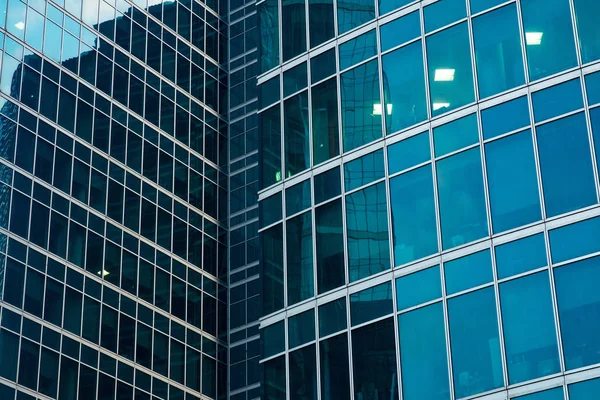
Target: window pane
[
  {"x": 353, "y": 13},
  {"x": 414, "y": 230},
  {"x": 274, "y": 378},
  {"x": 358, "y": 49},
  {"x": 579, "y": 311},
  {"x": 557, "y": 100},
  {"x": 272, "y": 253},
  {"x": 268, "y": 22},
  {"x": 297, "y": 198},
  {"x": 574, "y": 240},
  {"x": 335, "y": 380},
  {"x": 468, "y": 272},
  {"x": 270, "y": 126},
  {"x": 586, "y": 390},
  {"x": 548, "y": 31},
  {"x": 301, "y": 328},
  {"x": 592, "y": 83},
  {"x": 332, "y": 317},
  {"x": 270, "y": 210},
  {"x": 325, "y": 121},
  {"x": 417, "y": 288},
  {"x": 368, "y": 242},
  {"x": 513, "y": 187},
  {"x": 361, "y": 105},
  {"x": 297, "y": 150},
  {"x": 475, "y": 343},
  {"x": 327, "y": 185},
  {"x": 408, "y": 153},
  {"x": 400, "y": 30},
  {"x": 293, "y": 28},
  {"x": 371, "y": 303},
  {"x": 588, "y": 29},
  {"x": 498, "y": 51},
  {"x": 423, "y": 360},
  {"x": 529, "y": 333},
  {"x": 404, "y": 93},
  {"x": 455, "y": 135},
  {"x": 461, "y": 196},
  {"x": 303, "y": 373},
  {"x": 390, "y": 5},
  {"x": 330, "y": 246},
  {"x": 450, "y": 70},
  {"x": 505, "y": 117},
  {"x": 273, "y": 339},
  {"x": 480, "y": 5},
  {"x": 443, "y": 13},
  {"x": 374, "y": 360},
  {"x": 320, "y": 16},
  {"x": 322, "y": 66},
  {"x": 300, "y": 278},
  {"x": 552, "y": 394},
  {"x": 363, "y": 170},
  {"x": 521, "y": 256},
  {"x": 566, "y": 167}
]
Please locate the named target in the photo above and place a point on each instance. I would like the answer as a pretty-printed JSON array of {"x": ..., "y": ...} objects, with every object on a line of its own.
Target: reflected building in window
[{"x": 429, "y": 199}]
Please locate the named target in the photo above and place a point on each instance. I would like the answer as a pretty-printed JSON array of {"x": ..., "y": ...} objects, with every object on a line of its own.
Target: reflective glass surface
[
  {"x": 467, "y": 272},
  {"x": 335, "y": 376},
  {"x": 300, "y": 278},
  {"x": 419, "y": 287},
  {"x": 520, "y": 256},
  {"x": 325, "y": 128},
  {"x": 585, "y": 390}
]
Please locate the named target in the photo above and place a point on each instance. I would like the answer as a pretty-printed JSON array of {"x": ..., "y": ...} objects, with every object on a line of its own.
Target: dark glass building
[
  {"x": 113, "y": 199},
  {"x": 429, "y": 199}
]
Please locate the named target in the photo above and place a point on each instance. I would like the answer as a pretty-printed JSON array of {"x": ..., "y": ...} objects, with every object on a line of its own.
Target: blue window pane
[
  {"x": 592, "y": 83},
  {"x": 498, "y": 51},
  {"x": 322, "y": 66},
  {"x": 552, "y": 394},
  {"x": 303, "y": 373},
  {"x": 386, "y": 6},
  {"x": 557, "y": 100},
  {"x": 467, "y": 272},
  {"x": 293, "y": 28},
  {"x": 363, "y": 170},
  {"x": 327, "y": 185},
  {"x": 443, "y": 13},
  {"x": 297, "y": 198},
  {"x": 269, "y": 92},
  {"x": 300, "y": 276},
  {"x": 296, "y": 134},
  {"x": 588, "y": 29},
  {"x": 521, "y": 256},
  {"x": 408, "y": 153},
  {"x": 16, "y": 17},
  {"x": 34, "y": 34},
  {"x": 272, "y": 268},
  {"x": 513, "y": 186},
  {"x": 413, "y": 215},
  {"x": 273, "y": 339},
  {"x": 332, "y": 317},
  {"x": 548, "y": 32},
  {"x": 567, "y": 175},
  {"x": 461, "y": 199},
  {"x": 404, "y": 93},
  {"x": 367, "y": 227},
  {"x": 353, "y": 13},
  {"x": 270, "y": 146},
  {"x": 400, "y": 30},
  {"x": 423, "y": 360},
  {"x": 358, "y": 49},
  {"x": 529, "y": 333},
  {"x": 294, "y": 79},
  {"x": 586, "y": 390},
  {"x": 419, "y": 287},
  {"x": 268, "y": 25},
  {"x": 480, "y": 5},
  {"x": 330, "y": 246},
  {"x": 450, "y": 70},
  {"x": 270, "y": 210},
  {"x": 301, "y": 328},
  {"x": 455, "y": 135},
  {"x": 579, "y": 311},
  {"x": 371, "y": 303},
  {"x": 361, "y": 105},
  {"x": 320, "y": 14},
  {"x": 574, "y": 240},
  {"x": 505, "y": 117},
  {"x": 475, "y": 343}
]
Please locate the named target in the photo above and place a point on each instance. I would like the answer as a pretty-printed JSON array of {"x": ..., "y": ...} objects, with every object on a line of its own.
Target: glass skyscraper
[{"x": 429, "y": 199}]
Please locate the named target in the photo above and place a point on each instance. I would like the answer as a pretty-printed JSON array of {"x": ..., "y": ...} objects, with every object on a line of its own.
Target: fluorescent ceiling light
[
  {"x": 444, "y": 75},
  {"x": 437, "y": 106},
  {"x": 103, "y": 272},
  {"x": 20, "y": 25},
  {"x": 377, "y": 109},
  {"x": 533, "y": 38}
]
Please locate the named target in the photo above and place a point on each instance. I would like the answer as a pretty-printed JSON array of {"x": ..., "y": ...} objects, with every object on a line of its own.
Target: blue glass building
[{"x": 429, "y": 210}]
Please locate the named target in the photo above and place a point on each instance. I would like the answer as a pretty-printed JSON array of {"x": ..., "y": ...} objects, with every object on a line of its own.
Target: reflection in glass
[
  {"x": 272, "y": 261},
  {"x": 353, "y": 13},
  {"x": 330, "y": 246},
  {"x": 468, "y": 272},
  {"x": 442, "y": 13},
  {"x": 498, "y": 51},
  {"x": 274, "y": 379},
  {"x": 455, "y": 135},
  {"x": 586, "y": 390},
  {"x": 358, "y": 49},
  {"x": 505, "y": 117},
  {"x": 297, "y": 150},
  {"x": 368, "y": 242},
  {"x": 325, "y": 121},
  {"x": 529, "y": 334},
  {"x": 361, "y": 105},
  {"x": 450, "y": 70},
  {"x": 475, "y": 343},
  {"x": 300, "y": 280},
  {"x": 418, "y": 287},
  {"x": 408, "y": 152},
  {"x": 268, "y": 23},
  {"x": 371, "y": 303},
  {"x": 552, "y": 394},
  {"x": 588, "y": 29},
  {"x": 301, "y": 328},
  {"x": 335, "y": 379},
  {"x": 423, "y": 360},
  {"x": 332, "y": 317},
  {"x": 413, "y": 215},
  {"x": 579, "y": 306},
  {"x": 400, "y": 30},
  {"x": 521, "y": 255},
  {"x": 270, "y": 126},
  {"x": 321, "y": 21},
  {"x": 303, "y": 373},
  {"x": 548, "y": 32},
  {"x": 374, "y": 361},
  {"x": 404, "y": 93},
  {"x": 363, "y": 170},
  {"x": 461, "y": 197},
  {"x": 514, "y": 195},
  {"x": 557, "y": 100},
  {"x": 293, "y": 28},
  {"x": 566, "y": 165}
]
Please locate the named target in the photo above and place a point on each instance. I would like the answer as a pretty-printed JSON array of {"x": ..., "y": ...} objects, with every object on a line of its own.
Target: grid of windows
[{"x": 429, "y": 191}]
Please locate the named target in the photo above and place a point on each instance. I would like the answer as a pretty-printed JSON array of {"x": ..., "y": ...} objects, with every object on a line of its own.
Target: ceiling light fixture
[
  {"x": 533, "y": 38},
  {"x": 444, "y": 75}
]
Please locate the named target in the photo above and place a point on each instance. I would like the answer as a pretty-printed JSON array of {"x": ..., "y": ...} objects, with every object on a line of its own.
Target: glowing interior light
[
  {"x": 377, "y": 109},
  {"x": 437, "y": 106},
  {"x": 533, "y": 38},
  {"x": 103, "y": 272},
  {"x": 20, "y": 25},
  {"x": 389, "y": 109},
  {"x": 444, "y": 75}
]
